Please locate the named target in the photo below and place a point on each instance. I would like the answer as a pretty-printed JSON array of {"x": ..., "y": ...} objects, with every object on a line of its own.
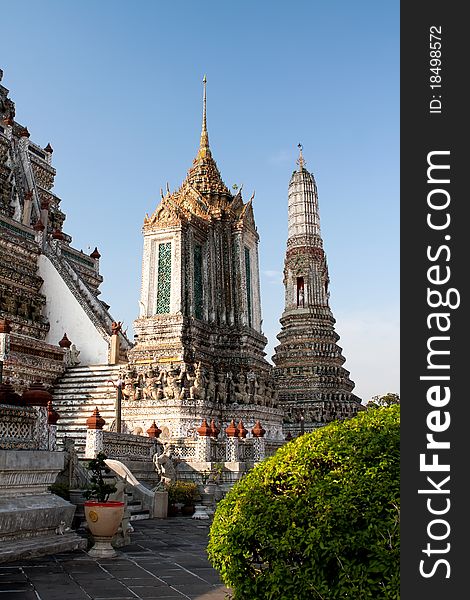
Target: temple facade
[
  {"x": 314, "y": 387},
  {"x": 47, "y": 287},
  {"x": 199, "y": 347}
]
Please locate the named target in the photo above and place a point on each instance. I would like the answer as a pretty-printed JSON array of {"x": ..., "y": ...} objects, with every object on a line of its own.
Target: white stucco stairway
[{"x": 77, "y": 394}]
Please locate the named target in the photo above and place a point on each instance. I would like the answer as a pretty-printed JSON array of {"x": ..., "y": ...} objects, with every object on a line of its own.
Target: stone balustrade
[
  {"x": 18, "y": 428},
  {"x": 131, "y": 447}
]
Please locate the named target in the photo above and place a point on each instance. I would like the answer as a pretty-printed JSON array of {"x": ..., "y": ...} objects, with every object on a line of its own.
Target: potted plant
[{"x": 103, "y": 516}]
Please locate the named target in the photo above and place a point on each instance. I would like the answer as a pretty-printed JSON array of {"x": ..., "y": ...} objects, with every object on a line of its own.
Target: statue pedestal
[
  {"x": 160, "y": 506},
  {"x": 114, "y": 350}
]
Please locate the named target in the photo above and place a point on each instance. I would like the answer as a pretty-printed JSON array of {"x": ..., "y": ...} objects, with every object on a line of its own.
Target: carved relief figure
[
  {"x": 260, "y": 392},
  {"x": 172, "y": 388},
  {"x": 198, "y": 390},
  {"x": 130, "y": 389},
  {"x": 252, "y": 384},
  {"x": 210, "y": 387},
  {"x": 190, "y": 379},
  {"x": 240, "y": 388},
  {"x": 221, "y": 389},
  {"x": 152, "y": 385}
]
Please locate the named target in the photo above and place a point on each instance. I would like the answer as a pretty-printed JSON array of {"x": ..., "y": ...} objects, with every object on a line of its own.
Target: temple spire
[
  {"x": 204, "y": 150},
  {"x": 300, "y": 160}
]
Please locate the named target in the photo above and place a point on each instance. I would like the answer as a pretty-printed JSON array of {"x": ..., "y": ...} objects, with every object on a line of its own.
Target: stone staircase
[
  {"x": 135, "y": 508},
  {"x": 77, "y": 394}
]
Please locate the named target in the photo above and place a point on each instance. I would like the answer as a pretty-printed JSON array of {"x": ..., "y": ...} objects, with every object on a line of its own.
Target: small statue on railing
[
  {"x": 74, "y": 475},
  {"x": 116, "y": 327},
  {"x": 165, "y": 465},
  {"x": 71, "y": 356}
]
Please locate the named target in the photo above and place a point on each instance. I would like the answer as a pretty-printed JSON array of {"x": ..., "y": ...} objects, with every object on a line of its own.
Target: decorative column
[
  {"x": 39, "y": 229},
  {"x": 28, "y": 202},
  {"x": 232, "y": 448},
  {"x": 94, "y": 434},
  {"x": 5, "y": 330},
  {"x": 259, "y": 443},
  {"x": 52, "y": 418},
  {"x": 37, "y": 395},
  {"x": 203, "y": 444},
  {"x": 114, "y": 349}
]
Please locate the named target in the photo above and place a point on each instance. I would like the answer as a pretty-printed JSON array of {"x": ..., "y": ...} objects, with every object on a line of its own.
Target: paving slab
[{"x": 166, "y": 559}]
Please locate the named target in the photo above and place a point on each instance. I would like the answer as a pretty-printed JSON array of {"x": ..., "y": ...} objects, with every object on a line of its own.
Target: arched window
[{"x": 300, "y": 292}]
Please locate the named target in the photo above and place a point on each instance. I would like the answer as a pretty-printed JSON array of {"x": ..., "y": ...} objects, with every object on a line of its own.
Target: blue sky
[{"x": 115, "y": 87}]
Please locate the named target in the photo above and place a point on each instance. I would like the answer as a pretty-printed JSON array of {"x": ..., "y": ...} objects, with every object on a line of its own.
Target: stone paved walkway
[{"x": 166, "y": 559}]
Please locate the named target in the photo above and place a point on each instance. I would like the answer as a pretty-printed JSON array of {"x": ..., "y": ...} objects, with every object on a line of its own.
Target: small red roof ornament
[
  {"x": 49, "y": 149},
  {"x": 231, "y": 429},
  {"x": 36, "y": 395},
  {"x": 39, "y": 225},
  {"x": 65, "y": 342},
  {"x": 24, "y": 132},
  {"x": 258, "y": 430},
  {"x": 57, "y": 235},
  {"x": 52, "y": 415},
  {"x": 214, "y": 429},
  {"x": 95, "y": 421},
  {"x": 241, "y": 430},
  {"x": 204, "y": 430},
  {"x": 95, "y": 253},
  {"x": 154, "y": 431},
  {"x": 8, "y": 394}
]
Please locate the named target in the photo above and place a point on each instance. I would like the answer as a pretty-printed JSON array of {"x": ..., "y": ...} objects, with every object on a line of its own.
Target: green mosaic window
[
  {"x": 164, "y": 278},
  {"x": 248, "y": 283},
  {"x": 198, "y": 284}
]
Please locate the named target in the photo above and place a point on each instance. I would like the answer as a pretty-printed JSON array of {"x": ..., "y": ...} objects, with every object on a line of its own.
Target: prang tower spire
[
  {"x": 314, "y": 387},
  {"x": 199, "y": 328}
]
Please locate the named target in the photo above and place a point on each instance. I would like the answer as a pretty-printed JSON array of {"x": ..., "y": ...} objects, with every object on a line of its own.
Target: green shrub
[
  {"x": 184, "y": 492},
  {"x": 319, "y": 519}
]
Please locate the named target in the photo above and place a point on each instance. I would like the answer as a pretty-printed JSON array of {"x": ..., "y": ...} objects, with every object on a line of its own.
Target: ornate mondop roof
[{"x": 202, "y": 196}]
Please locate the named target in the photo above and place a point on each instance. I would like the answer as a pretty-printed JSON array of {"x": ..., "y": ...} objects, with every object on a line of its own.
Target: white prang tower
[
  {"x": 200, "y": 312},
  {"x": 314, "y": 387}
]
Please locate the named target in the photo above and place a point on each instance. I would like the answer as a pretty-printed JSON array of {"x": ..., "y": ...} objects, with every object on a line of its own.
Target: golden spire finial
[
  {"x": 204, "y": 105},
  {"x": 300, "y": 160},
  {"x": 204, "y": 144}
]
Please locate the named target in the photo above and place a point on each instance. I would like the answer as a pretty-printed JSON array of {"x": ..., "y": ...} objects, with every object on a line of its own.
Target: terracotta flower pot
[{"x": 103, "y": 519}]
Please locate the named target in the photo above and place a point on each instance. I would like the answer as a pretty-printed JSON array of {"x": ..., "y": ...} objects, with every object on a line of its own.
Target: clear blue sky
[{"x": 115, "y": 87}]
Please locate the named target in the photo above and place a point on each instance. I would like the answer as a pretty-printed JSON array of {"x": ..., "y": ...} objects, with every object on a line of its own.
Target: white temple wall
[{"x": 65, "y": 315}]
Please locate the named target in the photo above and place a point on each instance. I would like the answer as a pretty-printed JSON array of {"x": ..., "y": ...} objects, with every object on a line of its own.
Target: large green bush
[{"x": 319, "y": 519}]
